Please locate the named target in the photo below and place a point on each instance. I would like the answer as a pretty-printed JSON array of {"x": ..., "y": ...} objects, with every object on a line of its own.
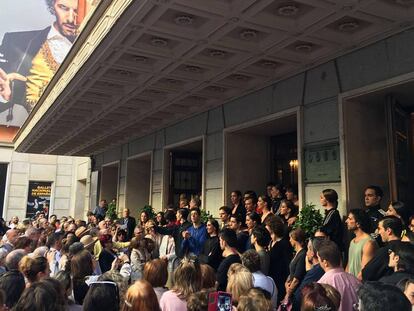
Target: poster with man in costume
[{"x": 35, "y": 36}]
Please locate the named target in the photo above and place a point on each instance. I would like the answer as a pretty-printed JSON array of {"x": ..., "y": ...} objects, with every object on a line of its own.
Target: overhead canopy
[{"x": 148, "y": 64}]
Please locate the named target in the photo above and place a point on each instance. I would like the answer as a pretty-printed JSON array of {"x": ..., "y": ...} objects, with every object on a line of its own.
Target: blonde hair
[
  {"x": 240, "y": 280},
  {"x": 31, "y": 267},
  {"x": 187, "y": 278},
  {"x": 141, "y": 297},
  {"x": 254, "y": 300}
]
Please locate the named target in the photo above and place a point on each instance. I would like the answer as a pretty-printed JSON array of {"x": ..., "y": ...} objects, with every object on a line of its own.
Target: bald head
[{"x": 13, "y": 259}]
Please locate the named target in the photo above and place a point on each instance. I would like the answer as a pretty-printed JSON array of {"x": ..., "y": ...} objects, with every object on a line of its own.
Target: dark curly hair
[{"x": 50, "y": 6}]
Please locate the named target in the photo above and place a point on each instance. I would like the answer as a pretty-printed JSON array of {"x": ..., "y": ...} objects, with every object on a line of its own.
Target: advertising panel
[
  {"x": 38, "y": 198},
  {"x": 35, "y": 36}
]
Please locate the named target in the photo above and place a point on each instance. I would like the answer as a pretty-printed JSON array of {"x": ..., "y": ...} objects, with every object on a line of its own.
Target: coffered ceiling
[{"x": 166, "y": 60}]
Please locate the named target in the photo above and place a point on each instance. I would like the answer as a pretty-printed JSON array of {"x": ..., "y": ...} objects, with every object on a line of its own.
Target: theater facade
[{"x": 194, "y": 96}]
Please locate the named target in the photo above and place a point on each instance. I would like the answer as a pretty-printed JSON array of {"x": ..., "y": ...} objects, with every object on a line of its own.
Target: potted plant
[{"x": 310, "y": 219}]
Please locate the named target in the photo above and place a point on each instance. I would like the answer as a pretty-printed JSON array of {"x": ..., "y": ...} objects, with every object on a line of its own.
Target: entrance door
[
  {"x": 400, "y": 152},
  {"x": 284, "y": 159},
  {"x": 185, "y": 175}
]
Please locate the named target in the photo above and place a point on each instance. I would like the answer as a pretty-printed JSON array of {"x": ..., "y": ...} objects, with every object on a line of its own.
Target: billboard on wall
[
  {"x": 35, "y": 36},
  {"x": 38, "y": 198}
]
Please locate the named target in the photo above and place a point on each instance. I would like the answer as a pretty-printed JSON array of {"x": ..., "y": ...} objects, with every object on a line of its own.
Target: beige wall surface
[{"x": 68, "y": 175}]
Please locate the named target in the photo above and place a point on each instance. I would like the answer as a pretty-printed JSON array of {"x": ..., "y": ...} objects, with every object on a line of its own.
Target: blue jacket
[{"x": 196, "y": 241}]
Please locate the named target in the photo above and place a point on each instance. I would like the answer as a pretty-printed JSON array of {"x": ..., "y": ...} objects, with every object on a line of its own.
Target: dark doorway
[
  {"x": 185, "y": 175},
  {"x": 3, "y": 177},
  {"x": 284, "y": 159}
]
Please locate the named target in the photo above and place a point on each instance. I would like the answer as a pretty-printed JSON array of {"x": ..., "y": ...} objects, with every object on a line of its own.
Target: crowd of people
[{"x": 254, "y": 257}]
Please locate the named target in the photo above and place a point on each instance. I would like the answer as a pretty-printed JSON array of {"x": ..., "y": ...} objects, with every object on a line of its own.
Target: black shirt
[
  {"x": 377, "y": 267},
  {"x": 176, "y": 233},
  {"x": 332, "y": 225},
  {"x": 211, "y": 254},
  {"x": 396, "y": 277},
  {"x": 242, "y": 237},
  {"x": 223, "y": 268},
  {"x": 375, "y": 214},
  {"x": 280, "y": 257}
]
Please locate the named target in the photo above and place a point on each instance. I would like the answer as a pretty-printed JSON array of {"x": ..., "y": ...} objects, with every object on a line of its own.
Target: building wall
[
  {"x": 315, "y": 90},
  {"x": 68, "y": 196}
]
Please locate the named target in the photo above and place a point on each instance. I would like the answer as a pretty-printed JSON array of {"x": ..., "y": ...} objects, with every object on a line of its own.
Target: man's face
[
  {"x": 382, "y": 232},
  {"x": 138, "y": 233},
  {"x": 351, "y": 223},
  {"x": 125, "y": 213},
  {"x": 233, "y": 225},
  {"x": 66, "y": 12},
  {"x": 409, "y": 293},
  {"x": 15, "y": 220},
  {"x": 371, "y": 199},
  {"x": 222, "y": 244},
  {"x": 274, "y": 192},
  {"x": 102, "y": 225},
  {"x": 248, "y": 203},
  {"x": 195, "y": 217},
  {"x": 223, "y": 216},
  {"x": 12, "y": 236},
  {"x": 102, "y": 203}
]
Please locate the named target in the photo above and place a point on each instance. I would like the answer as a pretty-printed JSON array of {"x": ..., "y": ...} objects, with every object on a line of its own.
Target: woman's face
[
  {"x": 261, "y": 203},
  {"x": 250, "y": 223},
  {"x": 412, "y": 225},
  {"x": 159, "y": 217},
  {"x": 210, "y": 228},
  {"x": 284, "y": 210},
  {"x": 292, "y": 241},
  {"x": 391, "y": 211},
  {"x": 144, "y": 217},
  {"x": 323, "y": 201}
]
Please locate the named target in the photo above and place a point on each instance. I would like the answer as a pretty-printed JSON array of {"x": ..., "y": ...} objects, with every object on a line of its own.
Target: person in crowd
[
  {"x": 401, "y": 260},
  {"x": 211, "y": 254},
  {"x": 66, "y": 284},
  {"x": 288, "y": 213},
  {"x": 167, "y": 247},
  {"x": 228, "y": 244},
  {"x": 24, "y": 243},
  {"x": 253, "y": 220},
  {"x": 13, "y": 258},
  {"x": 199, "y": 300},
  {"x": 320, "y": 297},
  {"x": 292, "y": 195},
  {"x": 361, "y": 248},
  {"x": 251, "y": 260},
  {"x": 332, "y": 223},
  {"x": 280, "y": 251},
  {"x": 34, "y": 269},
  {"x": 236, "y": 224},
  {"x": 11, "y": 237},
  {"x": 250, "y": 203},
  {"x": 240, "y": 280},
  {"x": 195, "y": 236},
  {"x": 330, "y": 259},
  {"x": 260, "y": 239},
  {"x": 183, "y": 203},
  {"x": 81, "y": 266},
  {"x": 224, "y": 214},
  {"x": 187, "y": 280},
  {"x": 276, "y": 194},
  {"x": 139, "y": 257},
  {"x": 297, "y": 265},
  {"x": 107, "y": 256},
  {"x": 155, "y": 236},
  {"x": 177, "y": 231},
  {"x": 138, "y": 232},
  {"x": 14, "y": 221},
  {"x": 237, "y": 207},
  {"x": 160, "y": 219},
  {"x": 144, "y": 217},
  {"x": 208, "y": 276},
  {"x": 195, "y": 202},
  {"x": 44, "y": 294},
  {"x": 411, "y": 223},
  {"x": 313, "y": 268},
  {"x": 100, "y": 210},
  {"x": 54, "y": 243},
  {"x": 255, "y": 300},
  {"x": 102, "y": 295},
  {"x": 127, "y": 223},
  {"x": 389, "y": 229},
  {"x": 156, "y": 273},
  {"x": 141, "y": 297},
  {"x": 372, "y": 197},
  {"x": 374, "y": 296},
  {"x": 13, "y": 285},
  {"x": 407, "y": 287},
  {"x": 264, "y": 206},
  {"x": 398, "y": 209}
]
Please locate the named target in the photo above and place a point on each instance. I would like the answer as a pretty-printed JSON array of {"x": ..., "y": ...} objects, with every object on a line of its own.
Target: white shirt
[
  {"x": 58, "y": 44},
  {"x": 266, "y": 283}
]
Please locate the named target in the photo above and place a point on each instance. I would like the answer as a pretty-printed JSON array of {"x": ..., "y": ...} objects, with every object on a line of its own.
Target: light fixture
[
  {"x": 349, "y": 26},
  {"x": 248, "y": 34},
  {"x": 159, "y": 42},
  {"x": 217, "y": 53},
  {"x": 184, "y": 20},
  {"x": 194, "y": 69},
  {"x": 288, "y": 10},
  {"x": 293, "y": 164},
  {"x": 304, "y": 47}
]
